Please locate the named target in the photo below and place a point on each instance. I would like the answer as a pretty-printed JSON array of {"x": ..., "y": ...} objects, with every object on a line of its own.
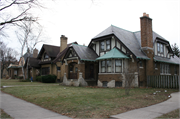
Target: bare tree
[
  {"x": 21, "y": 12},
  {"x": 129, "y": 77},
  {"x": 29, "y": 36}
]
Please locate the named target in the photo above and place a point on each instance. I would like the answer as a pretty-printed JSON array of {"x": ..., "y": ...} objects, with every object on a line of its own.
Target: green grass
[
  {"x": 4, "y": 115},
  {"x": 88, "y": 102},
  {"x": 10, "y": 82},
  {"x": 174, "y": 114}
]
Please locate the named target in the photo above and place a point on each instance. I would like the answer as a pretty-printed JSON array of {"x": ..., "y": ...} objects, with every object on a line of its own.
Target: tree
[
  {"x": 8, "y": 56},
  {"x": 22, "y": 12},
  {"x": 29, "y": 36},
  {"x": 175, "y": 49}
]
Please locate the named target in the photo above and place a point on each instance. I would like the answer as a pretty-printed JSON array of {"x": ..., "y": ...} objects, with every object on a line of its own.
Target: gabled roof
[
  {"x": 84, "y": 53},
  {"x": 26, "y": 55},
  {"x": 51, "y": 50},
  {"x": 172, "y": 60},
  {"x": 61, "y": 54},
  {"x": 132, "y": 40},
  {"x": 113, "y": 54}
]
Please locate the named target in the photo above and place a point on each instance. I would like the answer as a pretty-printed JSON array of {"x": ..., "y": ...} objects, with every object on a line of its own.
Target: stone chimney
[
  {"x": 146, "y": 32},
  {"x": 63, "y": 41},
  {"x": 35, "y": 53}
]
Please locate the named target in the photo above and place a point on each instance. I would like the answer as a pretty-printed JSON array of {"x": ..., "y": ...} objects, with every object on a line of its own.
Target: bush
[
  {"x": 39, "y": 78},
  {"x": 49, "y": 79},
  {"x": 20, "y": 77}
]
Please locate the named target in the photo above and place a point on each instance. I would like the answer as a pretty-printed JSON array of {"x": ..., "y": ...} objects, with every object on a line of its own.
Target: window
[
  {"x": 45, "y": 70},
  {"x": 105, "y": 83},
  {"x": 102, "y": 45},
  {"x": 108, "y": 65},
  {"x": 76, "y": 69},
  {"x": 140, "y": 64},
  {"x": 103, "y": 66},
  {"x": 108, "y": 45},
  {"x": 46, "y": 56},
  {"x": 164, "y": 69},
  {"x": 175, "y": 69},
  {"x": 155, "y": 65},
  {"x": 118, "y": 84},
  {"x": 160, "y": 48},
  {"x": 118, "y": 65},
  {"x": 58, "y": 69}
]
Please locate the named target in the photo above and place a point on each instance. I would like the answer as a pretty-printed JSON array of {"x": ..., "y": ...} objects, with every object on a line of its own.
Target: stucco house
[{"x": 115, "y": 51}]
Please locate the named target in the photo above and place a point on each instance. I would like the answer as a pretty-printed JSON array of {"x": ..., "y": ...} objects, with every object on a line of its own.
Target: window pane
[
  {"x": 102, "y": 45},
  {"x": 158, "y": 47},
  {"x": 108, "y": 42},
  {"x": 118, "y": 62},
  {"x": 107, "y": 47},
  {"x": 103, "y": 69},
  {"x": 109, "y": 69},
  {"x": 108, "y": 63},
  {"x": 103, "y": 63},
  {"x": 118, "y": 69}
]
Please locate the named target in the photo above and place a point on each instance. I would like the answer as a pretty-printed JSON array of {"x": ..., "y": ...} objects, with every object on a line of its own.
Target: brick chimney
[
  {"x": 63, "y": 41},
  {"x": 35, "y": 53},
  {"x": 146, "y": 31},
  {"x": 147, "y": 42}
]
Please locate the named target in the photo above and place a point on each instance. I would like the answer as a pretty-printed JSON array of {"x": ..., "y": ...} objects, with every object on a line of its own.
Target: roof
[
  {"x": 14, "y": 66},
  {"x": 85, "y": 53},
  {"x": 128, "y": 38},
  {"x": 26, "y": 55},
  {"x": 113, "y": 54},
  {"x": 33, "y": 62},
  {"x": 172, "y": 60},
  {"x": 51, "y": 50},
  {"x": 61, "y": 54}
]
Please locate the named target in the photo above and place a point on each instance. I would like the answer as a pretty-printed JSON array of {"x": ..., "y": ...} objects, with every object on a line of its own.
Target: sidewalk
[
  {"x": 153, "y": 111},
  {"x": 18, "y": 108}
]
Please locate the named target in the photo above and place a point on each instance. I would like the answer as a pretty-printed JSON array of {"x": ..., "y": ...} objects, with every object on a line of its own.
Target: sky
[{"x": 81, "y": 20}]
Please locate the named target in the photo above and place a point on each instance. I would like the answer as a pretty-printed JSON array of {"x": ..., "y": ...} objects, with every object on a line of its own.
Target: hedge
[{"x": 49, "y": 79}]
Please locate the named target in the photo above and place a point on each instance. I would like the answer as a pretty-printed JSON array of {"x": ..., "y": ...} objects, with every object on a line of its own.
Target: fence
[{"x": 163, "y": 81}]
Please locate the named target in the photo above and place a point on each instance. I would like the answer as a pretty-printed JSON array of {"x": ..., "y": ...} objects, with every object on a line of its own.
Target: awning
[{"x": 113, "y": 54}]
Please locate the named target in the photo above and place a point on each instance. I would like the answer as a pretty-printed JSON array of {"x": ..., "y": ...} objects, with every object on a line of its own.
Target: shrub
[
  {"x": 20, "y": 77},
  {"x": 49, "y": 79},
  {"x": 39, "y": 78}
]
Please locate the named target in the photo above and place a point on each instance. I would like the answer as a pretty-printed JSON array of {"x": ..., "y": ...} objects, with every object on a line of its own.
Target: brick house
[{"x": 114, "y": 51}]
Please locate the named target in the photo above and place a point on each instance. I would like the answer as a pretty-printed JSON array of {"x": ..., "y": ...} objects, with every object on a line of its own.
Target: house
[
  {"x": 15, "y": 70},
  {"x": 47, "y": 62},
  {"x": 115, "y": 51}
]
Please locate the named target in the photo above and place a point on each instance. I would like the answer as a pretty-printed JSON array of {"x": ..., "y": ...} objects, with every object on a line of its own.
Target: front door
[{"x": 72, "y": 71}]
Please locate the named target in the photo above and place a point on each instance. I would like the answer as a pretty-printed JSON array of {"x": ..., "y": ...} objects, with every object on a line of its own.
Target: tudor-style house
[{"x": 115, "y": 51}]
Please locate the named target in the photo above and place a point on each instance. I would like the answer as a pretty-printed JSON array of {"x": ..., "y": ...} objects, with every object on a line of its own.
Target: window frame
[
  {"x": 110, "y": 65},
  {"x": 119, "y": 66},
  {"x": 103, "y": 66},
  {"x": 102, "y": 50}
]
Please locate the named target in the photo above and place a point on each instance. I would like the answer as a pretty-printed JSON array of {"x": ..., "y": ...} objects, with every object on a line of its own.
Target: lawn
[
  {"x": 10, "y": 82},
  {"x": 4, "y": 115},
  {"x": 174, "y": 114},
  {"x": 88, "y": 102}
]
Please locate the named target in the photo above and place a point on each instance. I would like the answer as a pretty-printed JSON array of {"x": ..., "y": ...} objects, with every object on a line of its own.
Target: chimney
[
  {"x": 63, "y": 41},
  {"x": 146, "y": 32},
  {"x": 35, "y": 53}
]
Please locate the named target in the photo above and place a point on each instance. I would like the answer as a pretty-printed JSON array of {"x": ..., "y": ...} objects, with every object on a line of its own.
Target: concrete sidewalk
[
  {"x": 18, "y": 108},
  {"x": 153, "y": 111}
]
